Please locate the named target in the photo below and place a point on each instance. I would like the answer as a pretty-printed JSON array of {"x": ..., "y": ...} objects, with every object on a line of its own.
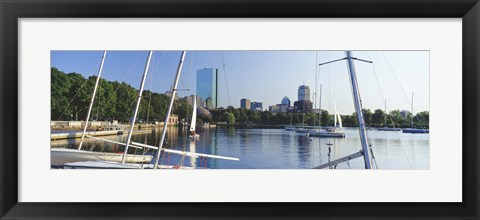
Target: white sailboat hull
[
  {"x": 116, "y": 165},
  {"x": 61, "y": 156},
  {"x": 327, "y": 134}
]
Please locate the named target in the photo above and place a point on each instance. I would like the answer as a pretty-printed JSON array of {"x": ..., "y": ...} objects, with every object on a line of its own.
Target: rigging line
[
  {"x": 316, "y": 84},
  {"x": 98, "y": 99},
  {"x": 130, "y": 106},
  {"x": 183, "y": 86},
  {"x": 329, "y": 85},
  {"x": 225, "y": 73},
  {"x": 389, "y": 116},
  {"x": 192, "y": 75},
  {"x": 76, "y": 94},
  {"x": 403, "y": 91},
  {"x": 150, "y": 95},
  {"x": 151, "y": 81},
  {"x": 124, "y": 77},
  {"x": 380, "y": 89},
  {"x": 79, "y": 89}
]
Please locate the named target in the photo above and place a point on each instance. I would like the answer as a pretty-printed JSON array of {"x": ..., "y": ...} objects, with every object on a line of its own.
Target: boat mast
[
  {"x": 92, "y": 99},
  {"x": 167, "y": 117},
  {"x": 411, "y": 120},
  {"x": 358, "y": 109},
  {"x": 385, "y": 113},
  {"x": 320, "y": 109},
  {"x": 132, "y": 124}
]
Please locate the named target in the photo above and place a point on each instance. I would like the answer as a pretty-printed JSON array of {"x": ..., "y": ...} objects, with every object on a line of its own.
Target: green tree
[
  {"x": 326, "y": 118},
  {"x": 229, "y": 117},
  {"x": 105, "y": 100},
  {"x": 378, "y": 117},
  {"x": 256, "y": 117},
  {"x": 79, "y": 95},
  {"x": 367, "y": 116},
  {"x": 422, "y": 119},
  {"x": 60, "y": 87},
  {"x": 126, "y": 96},
  {"x": 397, "y": 119}
]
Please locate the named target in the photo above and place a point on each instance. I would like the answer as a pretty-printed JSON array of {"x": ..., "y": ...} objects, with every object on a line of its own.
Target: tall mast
[
  {"x": 92, "y": 99},
  {"x": 132, "y": 124},
  {"x": 411, "y": 120},
  {"x": 385, "y": 113},
  {"x": 320, "y": 109},
  {"x": 167, "y": 117},
  {"x": 358, "y": 110}
]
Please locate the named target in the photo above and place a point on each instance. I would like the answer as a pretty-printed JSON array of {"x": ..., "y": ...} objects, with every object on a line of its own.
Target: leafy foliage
[{"x": 71, "y": 94}]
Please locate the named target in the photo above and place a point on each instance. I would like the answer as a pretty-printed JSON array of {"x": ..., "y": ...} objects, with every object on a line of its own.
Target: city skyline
[{"x": 268, "y": 76}]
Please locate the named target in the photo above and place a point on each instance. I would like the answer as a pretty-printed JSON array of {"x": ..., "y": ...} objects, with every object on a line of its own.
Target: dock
[{"x": 58, "y": 135}]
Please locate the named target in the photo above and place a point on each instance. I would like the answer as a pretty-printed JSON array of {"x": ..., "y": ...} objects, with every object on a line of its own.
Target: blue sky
[{"x": 268, "y": 76}]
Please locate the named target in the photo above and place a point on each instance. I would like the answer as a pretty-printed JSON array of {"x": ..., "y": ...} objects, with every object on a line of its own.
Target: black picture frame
[{"x": 12, "y": 10}]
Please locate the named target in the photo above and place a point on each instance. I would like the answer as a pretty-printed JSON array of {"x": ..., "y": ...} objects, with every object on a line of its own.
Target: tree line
[
  {"x": 233, "y": 115},
  {"x": 71, "y": 94}
]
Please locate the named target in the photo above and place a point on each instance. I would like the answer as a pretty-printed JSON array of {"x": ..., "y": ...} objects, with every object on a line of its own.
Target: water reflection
[{"x": 273, "y": 148}]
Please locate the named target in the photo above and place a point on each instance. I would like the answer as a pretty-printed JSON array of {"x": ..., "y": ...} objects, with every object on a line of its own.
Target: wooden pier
[{"x": 78, "y": 134}]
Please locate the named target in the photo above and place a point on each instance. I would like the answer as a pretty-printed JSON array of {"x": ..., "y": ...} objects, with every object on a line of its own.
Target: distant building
[
  {"x": 317, "y": 110},
  {"x": 190, "y": 100},
  {"x": 207, "y": 86},
  {"x": 286, "y": 101},
  {"x": 245, "y": 103},
  {"x": 273, "y": 108},
  {"x": 257, "y": 106},
  {"x": 169, "y": 94},
  {"x": 173, "y": 119},
  {"x": 404, "y": 114},
  {"x": 303, "y": 93},
  {"x": 283, "y": 107},
  {"x": 304, "y": 106}
]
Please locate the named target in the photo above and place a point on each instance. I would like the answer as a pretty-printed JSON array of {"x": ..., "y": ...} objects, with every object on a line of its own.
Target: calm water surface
[{"x": 276, "y": 148}]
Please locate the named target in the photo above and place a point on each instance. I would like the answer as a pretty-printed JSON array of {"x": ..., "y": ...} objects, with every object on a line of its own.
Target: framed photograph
[{"x": 226, "y": 109}]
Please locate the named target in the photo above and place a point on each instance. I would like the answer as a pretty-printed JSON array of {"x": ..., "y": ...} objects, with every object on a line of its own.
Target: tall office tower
[
  {"x": 207, "y": 87},
  {"x": 303, "y": 93}
]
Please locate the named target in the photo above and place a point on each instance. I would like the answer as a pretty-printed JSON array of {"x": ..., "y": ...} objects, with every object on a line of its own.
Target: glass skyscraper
[
  {"x": 303, "y": 93},
  {"x": 207, "y": 86}
]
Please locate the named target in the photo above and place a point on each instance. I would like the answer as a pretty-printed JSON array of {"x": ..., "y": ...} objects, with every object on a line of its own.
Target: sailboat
[
  {"x": 193, "y": 123},
  {"x": 60, "y": 156},
  {"x": 290, "y": 127},
  {"x": 125, "y": 165},
  {"x": 414, "y": 130},
  {"x": 386, "y": 128},
  {"x": 335, "y": 131}
]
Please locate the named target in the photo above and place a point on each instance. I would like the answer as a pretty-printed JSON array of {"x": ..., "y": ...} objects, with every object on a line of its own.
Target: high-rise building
[
  {"x": 404, "y": 113},
  {"x": 257, "y": 106},
  {"x": 286, "y": 101},
  {"x": 303, "y": 93},
  {"x": 245, "y": 103},
  {"x": 207, "y": 86}
]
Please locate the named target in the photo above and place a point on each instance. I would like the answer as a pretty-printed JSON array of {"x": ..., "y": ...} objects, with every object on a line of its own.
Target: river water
[{"x": 276, "y": 148}]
